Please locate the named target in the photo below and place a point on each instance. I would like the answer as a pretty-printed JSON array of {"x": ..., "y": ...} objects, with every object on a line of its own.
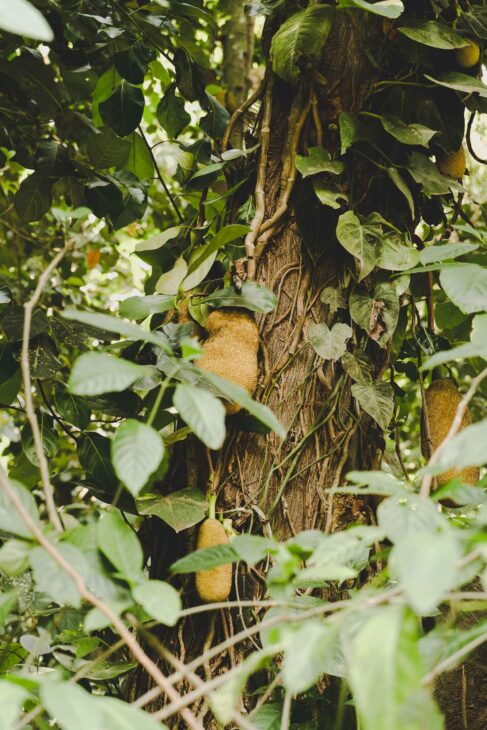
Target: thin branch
[
  {"x": 454, "y": 428},
  {"x": 159, "y": 175},
  {"x": 238, "y": 113},
  {"x": 286, "y": 712},
  {"x": 139, "y": 654},
  {"x": 29, "y": 403},
  {"x": 452, "y": 660}
]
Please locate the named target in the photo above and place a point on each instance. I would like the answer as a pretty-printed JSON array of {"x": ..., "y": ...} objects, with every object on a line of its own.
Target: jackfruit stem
[{"x": 211, "y": 505}]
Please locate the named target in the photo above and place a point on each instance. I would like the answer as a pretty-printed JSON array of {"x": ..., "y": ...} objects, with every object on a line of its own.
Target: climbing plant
[{"x": 242, "y": 364}]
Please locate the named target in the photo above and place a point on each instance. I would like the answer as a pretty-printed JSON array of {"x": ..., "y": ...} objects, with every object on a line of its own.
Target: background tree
[{"x": 286, "y": 179}]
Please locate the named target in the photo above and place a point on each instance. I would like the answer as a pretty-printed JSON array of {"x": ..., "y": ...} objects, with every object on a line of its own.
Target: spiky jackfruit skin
[
  {"x": 468, "y": 56},
  {"x": 441, "y": 401},
  {"x": 231, "y": 350},
  {"x": 452, "y": 164},
  {"x": 215, "y": 584}
]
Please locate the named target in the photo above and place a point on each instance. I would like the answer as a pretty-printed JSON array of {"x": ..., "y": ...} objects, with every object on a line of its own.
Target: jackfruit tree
[{"x": 243, "y": 326}]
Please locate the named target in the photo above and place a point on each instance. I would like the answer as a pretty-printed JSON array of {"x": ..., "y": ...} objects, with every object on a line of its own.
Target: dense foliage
[{"x": 130, "y": 211}]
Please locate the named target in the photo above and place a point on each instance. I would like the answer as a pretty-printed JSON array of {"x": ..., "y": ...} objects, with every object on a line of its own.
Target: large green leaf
[
  {"x": 51, "y": 579},
  {"x": 385, "y": 8},
  {"x": 180, "y": 510},
  {"x": 412, "y": 134},
  {"x": 205, "y": 559},
  {"x": 360, "y": 239},
  {"x": 329, "y": 344},
  {"x": 171, "y": 112},
  {"x": 95, "y": 373},
  {"x": 11, "y": 698},
  {"x": 10, "y": 521},
  {"x": 434, "y": 34},
  {"x": 160, "y": 600},
  {"x": 120, "y": 546},
  {"x": 466, "y": 286},
  {"x": 137, "y": 451},
  {"x": 252, "y": 296},
  {"x": 106, "y": 149},
  {"x": 398, "y": 253},
  {"x": 444, "y": 252},
  {"x": 425, "y": 173},
  {"x": 385, "y": 671},
  {"x": 467, "y": 448},
  {"x": 141, "y": 307},
  {"x": 376, "y": 399},
  {"x": 307, "y": 654},
  {"x": 378, "y": 314},
  {"x": 72, "y": 707},
  {"x": 22, "y": 18},
  {"x": 33, "y": 198},
  {"x": 203, "y": 413},
  {"x": 461, "y": 82},
  {"x": 114, "y": 324},
  {"x": 298, "y": 44},
  {"x": 426, "y": 568},
  {"x": 123, "y": 110},
  {"x": 318, "y": 160}
]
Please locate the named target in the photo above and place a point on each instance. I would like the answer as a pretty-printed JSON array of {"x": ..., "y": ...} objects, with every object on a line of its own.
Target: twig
[
  {"x": 286, "y": 711},
  {"x": 150, "y": 667},
  {"x": 238, "y": 113},
  {"x": 159, "y": 175},
  {"x": 454, "y": 428},
  {"x": 450, "y": 661},
  {"x": 260, "y": 184},
  {"x": 29, "y": 402}
]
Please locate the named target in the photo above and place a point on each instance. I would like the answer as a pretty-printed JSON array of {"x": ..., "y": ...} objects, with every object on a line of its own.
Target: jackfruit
[
  {"x": 468, "y": 56},
  {"x": 213, "y": 584},
  {"x": 441, "y": 400},
  {"x": 231, "y": 350},
  {"x": 452, "y": 164}
]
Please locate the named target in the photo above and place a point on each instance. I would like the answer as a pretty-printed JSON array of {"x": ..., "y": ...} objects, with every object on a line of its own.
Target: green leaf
[
  {"x": 171, "y": 113},
  {"x": 412, "y": 134},
  {"x": 11, "y": 695},
  {"x": 105, "y": 149},
  {"x": 385, "y": 672},
  {"x": 114, "y": 324},
  {"x": 94, "y": 373},
  {"x": 307, "y": 655},
  {"x": 205, "y": 559},
  {"x": 329, "y": 344},
  {"x": 33, "y": 198},
  {"x": 8, "y": 601},
  {"x": 376, "y": 399},
  {"x": 318, "y": 160},
  {"x": 444, "y": 252},
  {"x": 180, "y": 510},
  {"x": 360, "y": 239},
  {"x": 137, "y": 451},
  {"x": 160, "y": 600},
  {"x": 139, "y": 160},
  {"x": 425, "y": 173},
  {"x": 141, "y": 307},
  {"x": 170, "y": 282},
  {"x": 467, "y": 448},
  {"x": 426, "y": 568},
  {"x": 225, "y": 235},
  {"x": 22, "y": 18},
  {"x": 203, "y": 413},
  {"x": 72, "y": 707},
  {"x": 50, "y": 577},
  {"x": 119, "y": 544},
  {"x": 466, "y": 286},
  {"x": 402, "y": 186},
  {"x": 119, "y": 715},
  {"x": 434, "y": 34},
  {"x": 384, "y": 8},
  {"x": 328, "y": 192},
  {"x": 14, "y": 557},
  {"x": 405, "y": 516},
  {"x": 73, "y": 410},
  {"x": 235, "y": 394},
  {"x": 398, "y": 253},
  {"x": 94, "y": 457},
  {"x": 252, "y": 296},
  {"x": 10, "y": 521},
  {"x": 461, "y": 82},
  {"x": 123, "y": 110},
  {"x": 334, "y": 298},
  {"x": 298, "y": 44},
  {"x": 377, "y": 315}
]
